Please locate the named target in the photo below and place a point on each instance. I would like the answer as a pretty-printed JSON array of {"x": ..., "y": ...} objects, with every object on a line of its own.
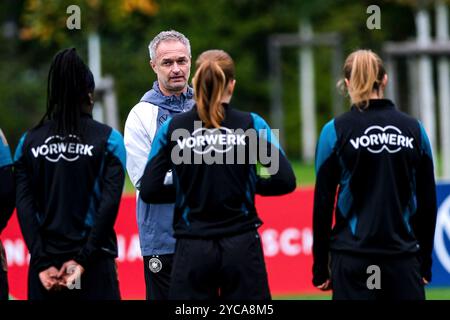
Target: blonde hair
[
  {"x": 364, "y": 71},
  {"x": 215, "y": 69}
]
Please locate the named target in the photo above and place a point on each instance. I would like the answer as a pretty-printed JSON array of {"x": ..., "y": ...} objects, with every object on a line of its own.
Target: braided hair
[{"x": 70, "y": 83}]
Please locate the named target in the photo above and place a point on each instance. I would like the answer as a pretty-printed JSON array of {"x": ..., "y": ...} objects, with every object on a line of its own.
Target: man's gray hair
[{"x": 167, "y": 35}]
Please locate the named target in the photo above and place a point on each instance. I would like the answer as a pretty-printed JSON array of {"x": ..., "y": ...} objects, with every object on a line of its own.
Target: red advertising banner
[{"x": 286, "y": 235}]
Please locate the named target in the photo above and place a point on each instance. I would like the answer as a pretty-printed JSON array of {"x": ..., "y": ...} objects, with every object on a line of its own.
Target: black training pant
[
  {"x": 3, "y": 285},
  {"x": 230, "y": 268},
  {"x": 352, "y": 276},
  {"x": 157, "y": 270},
  {"x": 4, "y": 290}
]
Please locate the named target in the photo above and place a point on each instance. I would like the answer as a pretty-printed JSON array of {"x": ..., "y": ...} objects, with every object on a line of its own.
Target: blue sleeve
[
  {"x": 26, "y": 209},
  {"x": 5, "y": 153},
  {"x": 282, "y": 178},
  {"x": 326, "y": 144},
  {"x": 19, "y": 148},
  {"x": 425, "y": 142},
  {"x": 327, "y": 180},
  {"x": 112, "y": 181},
  {"x": 423, "y": 222},
  {"x": 116, "y": 146},
  {"x": 262, "y": 129}
]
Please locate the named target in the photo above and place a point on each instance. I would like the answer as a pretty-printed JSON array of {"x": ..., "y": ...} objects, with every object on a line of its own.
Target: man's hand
[
  {"x": 49, "y": 278},
  {"x": 325, "y": 286},
  {"x": 70, "y": 272}
]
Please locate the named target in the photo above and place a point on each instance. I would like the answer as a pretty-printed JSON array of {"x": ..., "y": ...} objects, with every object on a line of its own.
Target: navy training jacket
[
  {"x": 376, "y": 166},
  {"x": 69, "y": 191}
]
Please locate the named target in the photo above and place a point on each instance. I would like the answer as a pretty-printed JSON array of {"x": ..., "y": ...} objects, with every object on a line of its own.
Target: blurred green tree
[{"x": 34, "y": 30}]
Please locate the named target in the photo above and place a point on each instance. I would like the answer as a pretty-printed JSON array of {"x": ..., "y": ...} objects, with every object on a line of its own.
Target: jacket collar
[{"x": 173, "y": 103}]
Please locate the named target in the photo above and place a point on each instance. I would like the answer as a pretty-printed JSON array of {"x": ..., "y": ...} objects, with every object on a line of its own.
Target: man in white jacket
[{"x": 170, "y": 59}]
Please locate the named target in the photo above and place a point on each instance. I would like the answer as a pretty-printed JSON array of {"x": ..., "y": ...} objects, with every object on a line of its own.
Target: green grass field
[
  {"x": 304, "y": 173},
  {"x": 431, "y": 294}
]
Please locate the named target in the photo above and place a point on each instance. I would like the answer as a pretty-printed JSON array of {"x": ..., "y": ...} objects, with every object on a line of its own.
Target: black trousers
[
  {"x": 4, "y": 285},
  {"x": 356, "y": 277},
  {"x": 157, "y": 270},
  {"x": 98, "y": 282},
  {"x": 4, "y": 289},
  {"x": 229, "y": 268}
]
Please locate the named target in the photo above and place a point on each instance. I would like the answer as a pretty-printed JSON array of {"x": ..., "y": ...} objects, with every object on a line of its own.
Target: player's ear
[
  {"x": 153, "y": 65},
  {"x": 91, "y": 98},
  {"x": 231, "y": 85},
  {"x": 385, "y": 80},
  {"x": 346, "y": 82}
]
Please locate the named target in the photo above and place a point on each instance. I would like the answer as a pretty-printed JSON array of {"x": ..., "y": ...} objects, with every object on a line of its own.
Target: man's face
[{"x": 172, "y": 66}]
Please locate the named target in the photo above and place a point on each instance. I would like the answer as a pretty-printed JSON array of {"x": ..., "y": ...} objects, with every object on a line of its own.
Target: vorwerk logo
[
  {"x": 205, "y": 140},
  {"x": 376, "y": 139},
  {"x": 442, "y": 233},
  {"x": 68, "y": 148},
  {"x": 226, "y": 146}
]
